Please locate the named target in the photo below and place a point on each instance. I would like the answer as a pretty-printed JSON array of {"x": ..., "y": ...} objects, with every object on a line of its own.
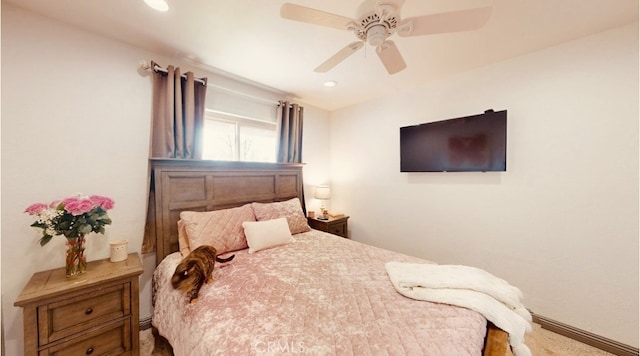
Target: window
[{"x": 234, "y": 138}]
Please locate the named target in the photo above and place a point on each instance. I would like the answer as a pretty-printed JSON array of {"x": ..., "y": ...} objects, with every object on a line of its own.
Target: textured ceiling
[{"x": 249, "y": 39}]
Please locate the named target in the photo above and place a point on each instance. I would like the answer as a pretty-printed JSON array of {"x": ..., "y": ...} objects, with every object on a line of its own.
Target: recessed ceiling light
[
  {"x": 330, "y": 83},
  {"x": 159, "y": 5}
]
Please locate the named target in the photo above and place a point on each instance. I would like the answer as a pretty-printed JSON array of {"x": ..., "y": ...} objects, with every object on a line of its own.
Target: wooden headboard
[{"x": 197, "y": 185}]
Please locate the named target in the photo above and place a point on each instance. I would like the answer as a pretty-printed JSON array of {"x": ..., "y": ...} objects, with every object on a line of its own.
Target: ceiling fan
[{"x": 379, "y": 19}]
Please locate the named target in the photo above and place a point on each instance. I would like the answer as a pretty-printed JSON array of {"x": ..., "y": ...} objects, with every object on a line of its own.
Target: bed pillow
[
  {"x": 183, "y": 240},
  {"x": 221, "y": 229},
  {"x": 262, "y": 235},
  {"x": 290, "y": 209}
]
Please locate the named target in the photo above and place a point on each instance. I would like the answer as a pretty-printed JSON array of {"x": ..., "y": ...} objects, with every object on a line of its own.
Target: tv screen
[{"x": 476, "y": 143}]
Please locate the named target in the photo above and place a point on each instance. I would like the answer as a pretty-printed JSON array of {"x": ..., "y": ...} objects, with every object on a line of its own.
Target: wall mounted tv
[{"x": 476, "y": 143}]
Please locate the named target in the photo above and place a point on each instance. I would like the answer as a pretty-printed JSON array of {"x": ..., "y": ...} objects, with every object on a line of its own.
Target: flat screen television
[{"x": 476, "y": 143}]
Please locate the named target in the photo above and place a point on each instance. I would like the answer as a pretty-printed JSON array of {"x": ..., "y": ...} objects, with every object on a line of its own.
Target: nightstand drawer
[
  {"x": 78, "y": 313},
  {"x": 337, "y": 226},
  {"x": 112, "y": 339},
  {"x": 339, "y": 229}
]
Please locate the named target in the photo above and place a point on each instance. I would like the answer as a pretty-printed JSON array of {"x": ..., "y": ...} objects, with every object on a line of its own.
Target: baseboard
[
  {"x": 145, "y": 323},
  {"x": 585, "y": 337}
]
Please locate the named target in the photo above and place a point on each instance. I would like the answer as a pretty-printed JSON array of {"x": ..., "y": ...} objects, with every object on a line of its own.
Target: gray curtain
[
  {"x": 176, "y": 128},
  {"x": 178, "y": 114},
  {"x": 290, "y": 132}
]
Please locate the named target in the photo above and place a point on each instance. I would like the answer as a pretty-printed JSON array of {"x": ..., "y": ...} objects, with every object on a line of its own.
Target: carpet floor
[{"x": 541, "y": 342}]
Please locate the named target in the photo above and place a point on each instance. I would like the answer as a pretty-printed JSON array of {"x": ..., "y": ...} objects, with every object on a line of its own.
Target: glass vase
[{"x": 76, "y": 263}]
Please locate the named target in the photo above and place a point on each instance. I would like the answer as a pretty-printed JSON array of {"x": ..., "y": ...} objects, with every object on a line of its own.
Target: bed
[{"x": 312, "y": 293}]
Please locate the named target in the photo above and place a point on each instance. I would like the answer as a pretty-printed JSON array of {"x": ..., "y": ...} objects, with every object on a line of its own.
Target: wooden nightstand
[
  {"x": 94, "y": 313},
  {"x": 337, "y": 226}
]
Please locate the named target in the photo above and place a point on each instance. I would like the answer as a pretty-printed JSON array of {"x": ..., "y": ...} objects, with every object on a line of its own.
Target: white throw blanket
[{"x": 468, "y": 287}]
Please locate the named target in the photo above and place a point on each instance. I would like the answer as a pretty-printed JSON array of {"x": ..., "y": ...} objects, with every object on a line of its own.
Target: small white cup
[{"x": 118, "y": 250}]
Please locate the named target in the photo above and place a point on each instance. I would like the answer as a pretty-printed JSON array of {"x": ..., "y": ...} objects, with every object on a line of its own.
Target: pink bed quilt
[{"x": 319, "y": 295}]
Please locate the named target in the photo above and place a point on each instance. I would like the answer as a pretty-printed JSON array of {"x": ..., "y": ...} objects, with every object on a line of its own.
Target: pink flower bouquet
[{"x": 72, "y": 217}]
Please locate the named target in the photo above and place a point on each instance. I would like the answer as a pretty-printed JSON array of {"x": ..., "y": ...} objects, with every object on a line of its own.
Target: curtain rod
[
  {"x": 160, "y": 69},
  {"x": 146, "y": 66}
]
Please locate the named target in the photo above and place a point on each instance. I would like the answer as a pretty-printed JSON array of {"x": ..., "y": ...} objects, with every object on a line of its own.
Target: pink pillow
[
  {"x": 221, "y": 229},
  {"x": 290, "y": 209},
  {"x": 183, "y": 240}
]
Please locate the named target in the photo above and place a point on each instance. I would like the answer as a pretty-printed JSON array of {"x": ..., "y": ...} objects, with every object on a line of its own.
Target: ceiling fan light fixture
[
  {"x": 330, "y": 83},
  {"x": 158, "y": 5},
  {"x": 376, "y": 35}
]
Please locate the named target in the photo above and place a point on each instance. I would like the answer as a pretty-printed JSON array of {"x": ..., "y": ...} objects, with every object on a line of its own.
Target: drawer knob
[
  {"x": 87, "y": 312},
  {"x": 89, "y": 351}
]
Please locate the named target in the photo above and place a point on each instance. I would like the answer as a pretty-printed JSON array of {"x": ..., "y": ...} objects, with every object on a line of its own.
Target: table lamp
[{"x": 323, "y": 193}]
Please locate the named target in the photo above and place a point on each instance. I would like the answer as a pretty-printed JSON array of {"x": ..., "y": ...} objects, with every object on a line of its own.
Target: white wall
[
  {"x": 75, "y": 118},
  {"x": 561, "y": 223},
  {"x": 315, "y": 153}
]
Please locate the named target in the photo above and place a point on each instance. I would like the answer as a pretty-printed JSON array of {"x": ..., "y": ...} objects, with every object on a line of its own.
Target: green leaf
[
  {"x": 84, "y": 229},
  {"x": 45, "y": 239},
  {"x": 64, "y": 225}
]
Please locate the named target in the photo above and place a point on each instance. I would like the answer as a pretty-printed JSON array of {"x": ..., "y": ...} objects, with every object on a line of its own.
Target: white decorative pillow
[
  {"x": 262, "y": 235},
  {"x": 221, "y": 229},
  {"x": 290, "y": 209}
]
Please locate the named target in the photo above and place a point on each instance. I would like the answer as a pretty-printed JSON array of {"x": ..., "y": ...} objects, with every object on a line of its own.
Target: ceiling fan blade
[
  {"x": 453, "y": 21},
  {"x": 313, "y": 16},
  {"x": 390, "y": 56},
  {"x": 342, "y": 54}
]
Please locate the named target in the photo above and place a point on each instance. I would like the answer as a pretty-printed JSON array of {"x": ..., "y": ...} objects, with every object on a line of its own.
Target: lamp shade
[{"x": 323, "y": 192}]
